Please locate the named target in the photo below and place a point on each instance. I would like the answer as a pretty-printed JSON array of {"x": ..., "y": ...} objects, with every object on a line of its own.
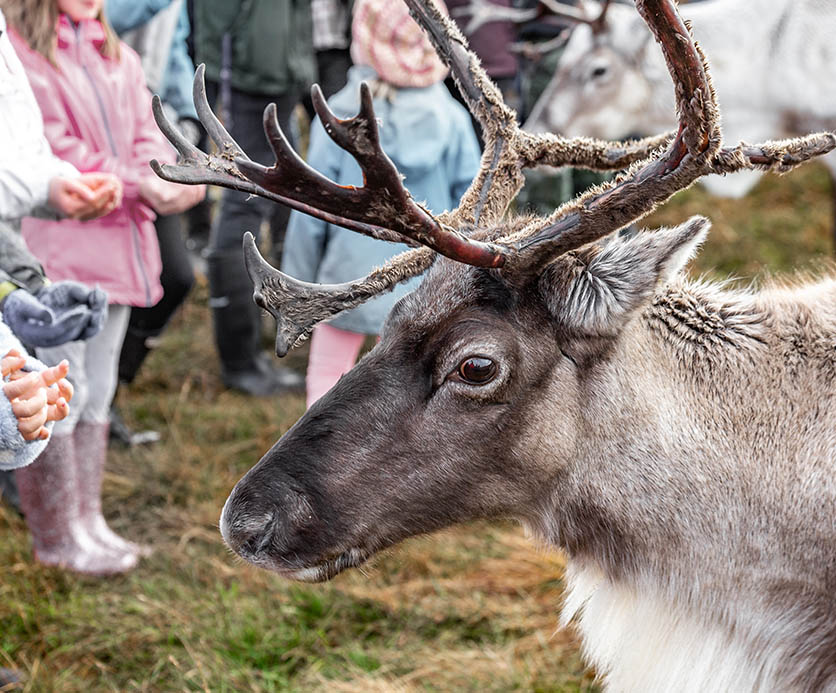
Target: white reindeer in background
[
  {"x": 675, "y": 438},
  {"x": 773, "y": 63}
]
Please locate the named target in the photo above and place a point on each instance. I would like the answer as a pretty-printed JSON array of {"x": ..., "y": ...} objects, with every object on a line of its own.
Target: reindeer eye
[
  {"x": 477, "y": 370},
  {"x": 599, "y": 71}
]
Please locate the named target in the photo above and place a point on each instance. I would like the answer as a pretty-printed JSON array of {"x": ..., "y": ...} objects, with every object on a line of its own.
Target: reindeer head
[
  {"x": 444, "y": 420},
  {"x": 604, "y": 83}
]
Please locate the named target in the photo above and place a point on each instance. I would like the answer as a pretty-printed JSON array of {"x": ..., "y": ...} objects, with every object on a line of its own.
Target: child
[
  {"x": 32, "y": 179},
  {"x": 424, "y": 131},
  {"x": 97, "y": 116}
]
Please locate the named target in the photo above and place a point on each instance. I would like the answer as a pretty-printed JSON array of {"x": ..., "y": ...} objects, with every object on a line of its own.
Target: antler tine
[
  {"x": 184, "y": 148},
  {"x": 571, "y": 13},
  {"x": 360, "y": 137},
  {"x": 298, "y": 306},
  {"x": 293, "y": 168},
  {"x": 779, "y": 156},
  {"x": 575, "y": 15},
  {"x": 227, "y": 146},
  {"x": 544, "y": 149},
  {"x": 499, "y": 178},
  {"x": 196, "y": 167},
  {"x": 379, "y": 208}
]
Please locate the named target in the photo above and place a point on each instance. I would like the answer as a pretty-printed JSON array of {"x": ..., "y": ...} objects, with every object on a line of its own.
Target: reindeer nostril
[
  {"x": 259, "y": 528},
  {"x": 246, "y": 533},
  {"x": 253, "y": 539},
  {"x": 254, "y": 544}
]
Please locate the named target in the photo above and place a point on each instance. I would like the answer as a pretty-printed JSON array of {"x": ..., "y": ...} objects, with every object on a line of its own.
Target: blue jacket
[
  {"x": 176, "y": 87},
  {"x": 429, "y": 137}
]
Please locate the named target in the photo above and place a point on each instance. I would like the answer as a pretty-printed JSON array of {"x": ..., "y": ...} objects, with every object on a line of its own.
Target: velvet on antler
[{"x": 382, "y": 208}]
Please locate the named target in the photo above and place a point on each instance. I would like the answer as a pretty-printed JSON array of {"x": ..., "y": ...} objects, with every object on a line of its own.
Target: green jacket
[{"x": 271, "y": 43}]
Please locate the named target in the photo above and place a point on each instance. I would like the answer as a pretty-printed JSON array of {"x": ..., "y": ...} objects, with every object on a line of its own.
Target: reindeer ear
[{"x": 602, "y": 286}]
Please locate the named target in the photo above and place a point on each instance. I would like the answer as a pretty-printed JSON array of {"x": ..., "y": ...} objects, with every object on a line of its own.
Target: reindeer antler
[
  {"x": 694, "y": 151},
  {"x": 382, "y": 206}
]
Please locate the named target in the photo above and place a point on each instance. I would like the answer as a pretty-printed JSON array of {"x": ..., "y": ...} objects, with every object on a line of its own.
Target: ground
[{"x": 471, "y": 609}]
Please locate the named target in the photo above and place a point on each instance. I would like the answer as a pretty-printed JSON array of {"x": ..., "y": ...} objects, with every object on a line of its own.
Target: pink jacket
[{"x": 97, "y": 115}]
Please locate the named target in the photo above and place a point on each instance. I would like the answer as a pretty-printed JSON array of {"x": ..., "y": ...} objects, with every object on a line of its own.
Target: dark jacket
[
  {"x": 491, "y": 41},
  {"x": 17, "y": 264},
  {"x": 271, "y": 43}
]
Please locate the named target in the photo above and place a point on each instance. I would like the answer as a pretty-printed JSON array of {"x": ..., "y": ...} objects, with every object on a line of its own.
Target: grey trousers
[{"x": 94, "y": 365}]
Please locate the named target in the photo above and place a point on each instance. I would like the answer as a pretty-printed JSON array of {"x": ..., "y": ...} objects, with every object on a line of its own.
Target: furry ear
[{"x": 597, "y": 289}]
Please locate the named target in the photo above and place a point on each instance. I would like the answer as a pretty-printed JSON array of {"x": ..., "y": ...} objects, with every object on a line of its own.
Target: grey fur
[
  {"x": 677, "y": 439},
  {"x": 678, "y": 436}
]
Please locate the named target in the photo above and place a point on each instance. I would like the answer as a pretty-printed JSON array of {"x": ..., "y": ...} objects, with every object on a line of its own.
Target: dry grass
[{"x": 471, "y": 609}]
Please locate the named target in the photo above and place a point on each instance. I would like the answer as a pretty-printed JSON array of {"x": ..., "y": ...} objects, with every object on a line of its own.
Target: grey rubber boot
[
  {"x": 91, "y": 453},
  {"x": 49, "y": 498}
]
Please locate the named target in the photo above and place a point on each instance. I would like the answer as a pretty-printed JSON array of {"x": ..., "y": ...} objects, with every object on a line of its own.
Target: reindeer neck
[
  {"x": 708, "y": 396},
  {"x": 705, "y": 477}
]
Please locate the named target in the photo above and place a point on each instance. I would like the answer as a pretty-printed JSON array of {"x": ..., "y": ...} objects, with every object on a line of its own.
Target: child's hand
[
  {"x": 108, "y": 191},
  {"x": 11, "y": 363},
  {"x": 38, "y": 396},
  {"x": 89, "y": 196},
  {"x": 165, "y": 197}
]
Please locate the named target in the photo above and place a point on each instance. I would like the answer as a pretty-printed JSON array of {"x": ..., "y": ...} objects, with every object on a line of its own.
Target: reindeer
[
  {"x": 677, "y": 439},
  {"x": 774, "y": 67}
]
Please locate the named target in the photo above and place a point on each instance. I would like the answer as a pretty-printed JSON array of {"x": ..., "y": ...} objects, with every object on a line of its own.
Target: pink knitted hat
[{"x": 386, "y": 38}]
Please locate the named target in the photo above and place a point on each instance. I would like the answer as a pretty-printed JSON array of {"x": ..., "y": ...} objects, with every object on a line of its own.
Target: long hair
[{"x": 36, "y": 21}]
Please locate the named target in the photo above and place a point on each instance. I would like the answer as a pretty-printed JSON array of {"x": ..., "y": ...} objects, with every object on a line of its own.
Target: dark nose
[{"x": 257, "y": 525}]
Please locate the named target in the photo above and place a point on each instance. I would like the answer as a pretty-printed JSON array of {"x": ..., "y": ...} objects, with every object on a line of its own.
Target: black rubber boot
[
  {"x": 122, "y": 434},
  {"x": 132, "y": 356},
  {"x": 237, "y": 325}
]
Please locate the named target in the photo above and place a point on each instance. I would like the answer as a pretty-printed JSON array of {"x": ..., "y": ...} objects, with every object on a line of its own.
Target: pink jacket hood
[{"x": 97, "y": 115}]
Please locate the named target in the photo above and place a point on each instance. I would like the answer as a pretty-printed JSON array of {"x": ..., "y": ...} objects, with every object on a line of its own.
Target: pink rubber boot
[
  {"x": 49, "y": 498},
  {"x": 91, "y": 452}
]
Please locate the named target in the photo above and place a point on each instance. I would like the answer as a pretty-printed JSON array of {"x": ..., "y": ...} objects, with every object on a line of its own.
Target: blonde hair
[{"x": 36, "y": 21}]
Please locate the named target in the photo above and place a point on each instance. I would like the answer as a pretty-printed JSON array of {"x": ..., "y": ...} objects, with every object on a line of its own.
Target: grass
[{"x": 471, "y": 609}]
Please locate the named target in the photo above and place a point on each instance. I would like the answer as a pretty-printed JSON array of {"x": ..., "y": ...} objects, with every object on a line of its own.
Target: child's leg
[
  {"x": 333, "y": 352},
  {"x": 49, "y": 487},
  {"x": 91, "y": 433},
  {"x": 177, "y": 278},
  {"x": 101, "y": 363}
]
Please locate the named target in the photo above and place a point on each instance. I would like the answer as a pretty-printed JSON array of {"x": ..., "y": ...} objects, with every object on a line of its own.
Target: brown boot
[
  {"x": 49, "y": 499},
  {"x": 91, "y": 451}
]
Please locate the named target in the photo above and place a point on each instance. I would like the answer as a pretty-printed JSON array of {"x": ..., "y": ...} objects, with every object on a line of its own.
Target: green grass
[{"x": 471, "y": 609}]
